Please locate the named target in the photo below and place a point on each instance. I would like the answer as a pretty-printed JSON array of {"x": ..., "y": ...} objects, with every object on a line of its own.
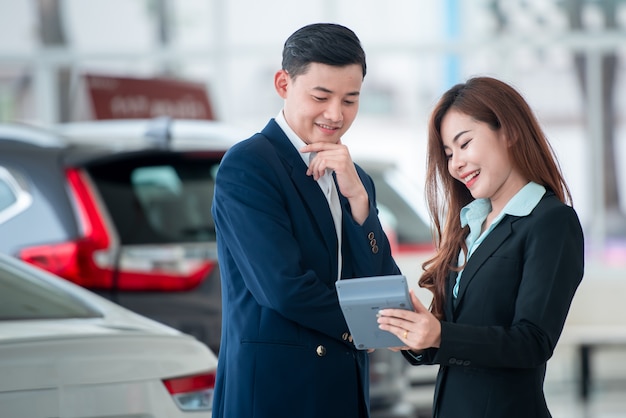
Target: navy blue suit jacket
[
  {"x": 513, "y": 300},
  {"x": 285, "y": 350}
]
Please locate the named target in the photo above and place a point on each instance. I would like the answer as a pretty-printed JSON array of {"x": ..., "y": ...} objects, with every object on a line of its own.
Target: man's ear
[{"x": 281, "y": 81}]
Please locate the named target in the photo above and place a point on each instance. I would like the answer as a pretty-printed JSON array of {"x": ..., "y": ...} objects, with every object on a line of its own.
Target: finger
[
  {"x": 394, "y": 316},
  {"x": 320, "y": 146},
  {"x": 396, "y": 349},
  {"x": 417, "y": 304},
  {"x": 398, "y": 327},
  {"x": 317, "y": 166}
]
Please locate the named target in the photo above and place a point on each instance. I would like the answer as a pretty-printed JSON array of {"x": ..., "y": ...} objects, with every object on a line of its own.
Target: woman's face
[{"x": 478, "y": 157}]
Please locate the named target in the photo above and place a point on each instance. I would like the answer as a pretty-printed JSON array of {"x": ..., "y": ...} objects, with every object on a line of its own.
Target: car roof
[
  {"x": 166, "y": 133},
  {"x": 126, "y": 135},
  {"x": 29, "y": 134}
]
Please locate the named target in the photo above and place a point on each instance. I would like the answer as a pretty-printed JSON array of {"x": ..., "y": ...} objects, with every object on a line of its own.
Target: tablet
[{"x": 360, "y": 301}]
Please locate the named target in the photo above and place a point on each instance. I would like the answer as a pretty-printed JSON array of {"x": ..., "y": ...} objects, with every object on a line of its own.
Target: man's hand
[{"x": 336, "y": 157}]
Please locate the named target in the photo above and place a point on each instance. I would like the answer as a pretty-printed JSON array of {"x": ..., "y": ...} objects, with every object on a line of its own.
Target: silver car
[{"x": 66, "y": 352}]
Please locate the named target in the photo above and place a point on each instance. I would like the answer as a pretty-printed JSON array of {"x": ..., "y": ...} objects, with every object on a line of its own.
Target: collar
[
  {"x": 521, "y": 204},
  {"x": 293, "y": 137}
]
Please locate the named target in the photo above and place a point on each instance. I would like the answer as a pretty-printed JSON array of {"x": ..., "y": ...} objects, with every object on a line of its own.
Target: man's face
[{"x": 321, "y": 104}]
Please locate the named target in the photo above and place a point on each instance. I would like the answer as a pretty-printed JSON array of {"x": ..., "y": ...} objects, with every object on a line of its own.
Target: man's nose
[{"x": 334, "y": 111}]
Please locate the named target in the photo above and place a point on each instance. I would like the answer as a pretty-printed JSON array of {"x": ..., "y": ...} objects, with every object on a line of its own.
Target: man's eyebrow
[
  {"x": 322, "y": 89},
  {"x": 325, "y": 90}
]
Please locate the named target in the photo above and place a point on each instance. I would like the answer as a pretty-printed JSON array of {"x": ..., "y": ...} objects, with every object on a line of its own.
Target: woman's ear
[
  {"x": 509, "y": 141},
  {"x": 281, "y": 82}
]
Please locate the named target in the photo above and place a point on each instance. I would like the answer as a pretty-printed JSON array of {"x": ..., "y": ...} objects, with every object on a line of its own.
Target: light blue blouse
[{"x": 475, "y": 213}]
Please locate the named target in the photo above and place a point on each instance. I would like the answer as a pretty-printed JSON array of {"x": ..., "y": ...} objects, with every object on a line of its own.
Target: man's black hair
[{"x": 324, "y": 43}]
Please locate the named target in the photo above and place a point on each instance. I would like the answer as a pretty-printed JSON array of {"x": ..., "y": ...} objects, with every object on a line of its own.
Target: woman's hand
[{"x": 418, "y": 329}]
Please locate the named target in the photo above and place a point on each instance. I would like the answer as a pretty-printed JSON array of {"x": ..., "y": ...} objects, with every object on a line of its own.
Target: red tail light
[
  {"x": 192, "y": 393},
  {"x": 95, "y": 261}
]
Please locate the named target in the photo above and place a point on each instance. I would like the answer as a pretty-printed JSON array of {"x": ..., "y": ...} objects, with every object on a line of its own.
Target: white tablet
[{"x": 360, "y": 301}]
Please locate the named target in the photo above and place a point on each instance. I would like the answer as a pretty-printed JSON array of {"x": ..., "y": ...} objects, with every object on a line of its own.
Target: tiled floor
[
  {"x": 607, "y": 401},
  {"x": 607, "y": 395}
]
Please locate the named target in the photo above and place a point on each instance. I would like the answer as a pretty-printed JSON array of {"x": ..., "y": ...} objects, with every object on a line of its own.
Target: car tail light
[
  {"x": 415, "y": 248},
  {"x": 192, "y": 393},
  {"x": 96, "y": 261}
]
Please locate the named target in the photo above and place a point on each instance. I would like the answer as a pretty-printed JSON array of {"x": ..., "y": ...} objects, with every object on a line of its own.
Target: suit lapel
[
  {"x": 482, "y": 253},
  {"x": 306, "y": 186}
]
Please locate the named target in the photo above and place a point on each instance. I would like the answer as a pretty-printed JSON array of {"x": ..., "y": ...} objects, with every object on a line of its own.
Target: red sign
[{"x": 137, "y": 98}]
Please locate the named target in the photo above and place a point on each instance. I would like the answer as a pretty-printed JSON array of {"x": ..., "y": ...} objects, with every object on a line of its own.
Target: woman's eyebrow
[{"x": 456, "y": 137}]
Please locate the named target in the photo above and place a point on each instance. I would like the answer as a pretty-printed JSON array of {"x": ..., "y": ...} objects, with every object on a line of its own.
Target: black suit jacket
[
  {"x": 513, "y": 300},
  {"x": 285, "y": 348}
]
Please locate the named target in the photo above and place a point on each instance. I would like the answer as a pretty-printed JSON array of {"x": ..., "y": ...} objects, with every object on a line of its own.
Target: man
[{"x": 294, "y": 214}]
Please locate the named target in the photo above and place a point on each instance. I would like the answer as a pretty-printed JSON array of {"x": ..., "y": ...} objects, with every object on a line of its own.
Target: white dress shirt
[{"x": 326, "y": 183}]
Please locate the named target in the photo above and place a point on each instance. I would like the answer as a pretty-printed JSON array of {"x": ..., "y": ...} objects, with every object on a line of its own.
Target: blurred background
[{"x": 567, "y": 57}]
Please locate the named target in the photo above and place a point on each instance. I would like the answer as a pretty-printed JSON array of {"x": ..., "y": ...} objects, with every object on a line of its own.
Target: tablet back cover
[{"x": 362, "y": 298}]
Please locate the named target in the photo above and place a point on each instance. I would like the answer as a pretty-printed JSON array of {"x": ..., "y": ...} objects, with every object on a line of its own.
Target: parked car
[
  {"x": 125, "y": 215},
  {"x": 402, "y": 211},
  {"x": 402, "y": 208},
  {"x": 123, "y": 209},
  {"x": 66, "y": 352}
]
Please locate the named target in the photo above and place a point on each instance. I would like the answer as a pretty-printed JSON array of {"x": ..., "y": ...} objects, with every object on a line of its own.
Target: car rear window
[
  {"x": 164, "y": 198},
  {"x": 23, "y": 296}
]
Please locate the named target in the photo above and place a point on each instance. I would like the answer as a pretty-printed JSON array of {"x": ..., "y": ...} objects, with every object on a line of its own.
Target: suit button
[
  {"x": 375, "y": 249},
  {"x": 459, "y": 362},
  {"x": 370, "y": 236},
  {"x": 345, "y": 336},
  {"x": 452, "y": 361},
  {"x": 320, "y": 350},
  {"x": 467, "y": 363}
]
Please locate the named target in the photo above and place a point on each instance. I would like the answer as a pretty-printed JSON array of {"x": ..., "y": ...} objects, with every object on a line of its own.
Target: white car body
[{"x": 111, "y": 365}]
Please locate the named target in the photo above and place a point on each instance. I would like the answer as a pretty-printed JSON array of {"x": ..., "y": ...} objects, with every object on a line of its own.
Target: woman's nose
[{"x": 456, "y": 162}]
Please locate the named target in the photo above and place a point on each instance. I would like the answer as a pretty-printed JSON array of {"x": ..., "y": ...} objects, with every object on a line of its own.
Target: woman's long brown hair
[{"x": 501, "y": 107}]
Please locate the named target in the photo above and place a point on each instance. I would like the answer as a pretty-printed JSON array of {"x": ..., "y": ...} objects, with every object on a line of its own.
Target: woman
[{"x": 509, "y": 256}]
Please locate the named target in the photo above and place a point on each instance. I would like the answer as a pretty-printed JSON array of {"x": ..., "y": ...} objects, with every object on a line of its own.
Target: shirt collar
[
  {"x": 521, "y": 204},
  {"x": 293, "y": 137}
]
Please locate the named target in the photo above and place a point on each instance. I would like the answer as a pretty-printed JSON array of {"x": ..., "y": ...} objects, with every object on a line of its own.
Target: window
[
  {"x": 13, "y": 197},
  {"x": 163, "y": 198},
  {"x": 24, "y": 296}
]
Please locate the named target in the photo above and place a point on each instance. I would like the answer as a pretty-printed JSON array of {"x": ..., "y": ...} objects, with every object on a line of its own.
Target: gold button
[
  {"x": 375, "y": 249},
  {"x": 320, "y": 350},
  {"x": 373, "y": 242},
  {"x": 370, "y": 236}
]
